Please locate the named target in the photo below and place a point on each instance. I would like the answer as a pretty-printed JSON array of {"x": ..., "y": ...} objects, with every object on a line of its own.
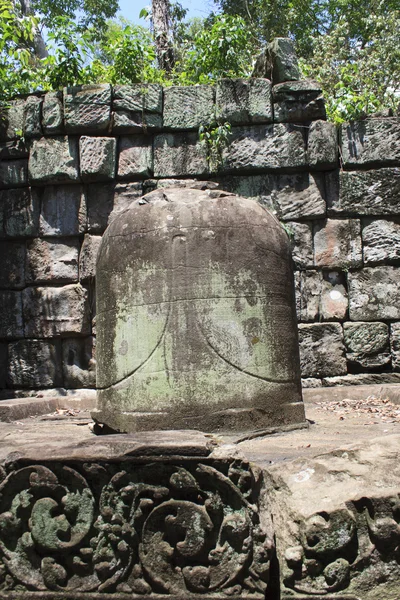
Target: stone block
[
  {"x": 56, "y": 311},
  {"x": 13, "y": 173},
  {"x": 375, "y": 192},
  {"x": 13, "y": 149},
  {"x": 54, "y": 160},
  {"x": 269, "y": 147},
  {"x": 87, "y": 108},
  {"x": 371, "y": 143},
  {"x": 79, "y": 362},
  {"x": 188, "y": 107},
  {"x": 63, "y": 210},
  {"x": 3, "y": 364},
  {"x": 298, "y": 101},
  {"x": 124, "y": 195},
  {"x": 367, "y": 345},
  {"x": 12, "y": 272},
  {"x": 137, "y": 108},
  {"x": 100, "y": 202},
  {"x": 53, "y": 115},
  {"x": 19, "y": 213},
  {"x": 337, "y": 243},
  {"x": 34, "y": 364},
  {"x": 322, "y": 351},
  {"x": 334, "y": 302},
  {"x": 138, "y": 97},
  {"x": 11, "y": 322},
  {"x": 311, "y": 383},
  {"x": 88, "y": 256},
  {"x": 33, "y": 117},
  {"x": 143, "y": 122},
  {"x": 285, "y": 66},
  {"x": 244, "y": 101},
  {"x": 374, "y": 294},
  {"x": 97, "y": 158},
  {"x": 135, "y": 157},
  {"x": 362, "y": 379},
  {"x": 52, "y": 260},
  {"x": 381, "y": 241},
  {"x": 300, "y": 235},
  {"x": 395, "y": 345},
  {"x": 12, "y": 121},
  {"x": 308, "y": 295},
  {"x": 322, "y": 145},
  {"x": 320, "y": 296},
  {"x": 176, "y": 155}
]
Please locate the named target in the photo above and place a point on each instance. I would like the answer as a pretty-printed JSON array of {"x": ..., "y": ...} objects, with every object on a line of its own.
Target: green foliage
[
  {"x": 222, "y": 48},
  {"x": 215, "y": 137},
  {"x": 85, "y": 13},
  {"x": 358, "y": 78}
]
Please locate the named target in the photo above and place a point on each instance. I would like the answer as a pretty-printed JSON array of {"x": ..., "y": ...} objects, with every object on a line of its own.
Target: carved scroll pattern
[
  {"x": 346, "y": 548},
  {"x": 160, "y": 528}
]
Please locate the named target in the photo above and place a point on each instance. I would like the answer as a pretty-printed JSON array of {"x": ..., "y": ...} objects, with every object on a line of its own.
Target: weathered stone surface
[
  {"x": 367, "y": 344},
  {"x": 100, "y": 202},
  {"x": 13, "y": 149},
  {"x": 284, "y": 60},
  {"x": 3, "y": 364},
  {"x": 298, "y": 101},
  {"x": 320, "y": 296},
  {"x": 374, "y": 294},
  {"x": 334, "y": 299},
  {"x": 274, "y": 147},
  {"x": 63, "y": 210},
  {"x": 296, "y": 196},
  {"x": 322, "y": 145},
  {"x": 395, "y": 345},
  {"x": 124, "y": 195},
  {"x": 179, "y": 154},
  {"x": 87, "y": 108},
  {"x": 53, "y": 116},
  {"x": 51, "y": 312},
  {"x": 372, "y": 143},
  {"x": 12, "y": 121},
  {"x": 135, "y": 157},
  {"x": 12, "y": 271},
  {"x": 243, "y": 101},
  {"x": 381, "y": 241},
  {"x": 13, "y": 173},
  {"x": 19, "y": 213},
  {"x": 88, "y": 256},
  {"x": 188, "y": 298},
  {"x": 362, "y": 379},
  {"x": 97, "y": 158},
  {"x": 52, "y": 260},
  {"x": 321, "y": 350},
  {"x": 34, "y": 364},
  {"x": 338, "y": 540},
  {"x": 375, "y": 192},
  {"x": 11, "y": 323},
  {"x": 79, "y": 362},
  {"x": 33, "y": 117},
  {"x": 137, "y": 108},
  {"x": 300, "y": 235},
  {"x": 127, "y": 122},
  {"x": 138, "y": 97},
  {"x": 54, "y": 160},
  {"x": 337, "y": 243},
  {"x": 311, "y": 383},
  {"x": 188, "y": 107}
]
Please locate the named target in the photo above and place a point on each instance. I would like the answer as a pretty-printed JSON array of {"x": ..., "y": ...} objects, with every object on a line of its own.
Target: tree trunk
[
  {"x": 160, "y": 17},
  {"x": 38, "y": 43}
]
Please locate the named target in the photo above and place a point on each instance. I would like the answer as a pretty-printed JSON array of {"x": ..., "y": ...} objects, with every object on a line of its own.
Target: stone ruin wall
[{"x": 70, "y": 161}]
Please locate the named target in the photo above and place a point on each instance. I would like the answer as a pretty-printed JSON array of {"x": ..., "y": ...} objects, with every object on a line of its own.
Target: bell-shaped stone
[{"x": 196, "y": 322}]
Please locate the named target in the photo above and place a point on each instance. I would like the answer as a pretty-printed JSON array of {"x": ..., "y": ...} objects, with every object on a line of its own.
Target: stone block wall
[{"x": 71, "y": 160}]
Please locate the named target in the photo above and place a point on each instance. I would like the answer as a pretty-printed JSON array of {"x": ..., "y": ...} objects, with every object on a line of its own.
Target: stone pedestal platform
[{"x": 185, "y": 515}]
